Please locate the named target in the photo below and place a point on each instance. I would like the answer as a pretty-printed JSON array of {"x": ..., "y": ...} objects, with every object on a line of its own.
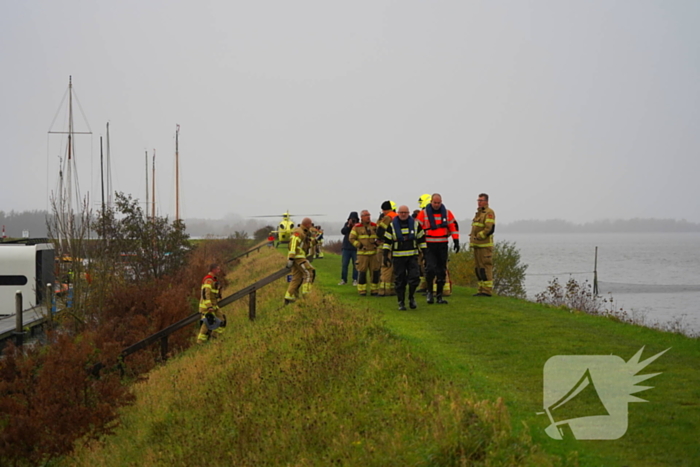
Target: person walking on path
[
  {"x": 213, "y": 320},
  {"x": 403, "y": 239},
  {"x": 439, "y": 224},
  {"x": 349, "y": 252},
  {"x": 481, "y": 243}
]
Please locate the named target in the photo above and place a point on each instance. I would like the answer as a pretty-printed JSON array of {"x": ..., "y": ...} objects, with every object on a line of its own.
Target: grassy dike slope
[
  {"x": 320, "y": 382},
  {"x": 498, "y": 347}
]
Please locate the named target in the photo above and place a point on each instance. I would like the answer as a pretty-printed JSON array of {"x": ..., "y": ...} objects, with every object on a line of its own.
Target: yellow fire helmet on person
[{"x": 424, "y": 200}]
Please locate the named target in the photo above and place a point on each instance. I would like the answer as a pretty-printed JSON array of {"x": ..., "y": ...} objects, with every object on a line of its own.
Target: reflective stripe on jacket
[
  {"x": 406, "y": 247},
  {"x": 297, "y": 244},
  {"x": 364, "y": 238},
  {"x": 483, "y": 226},
  {"x": 209, "y": 297},
  {"x": 446, "y": 227}
]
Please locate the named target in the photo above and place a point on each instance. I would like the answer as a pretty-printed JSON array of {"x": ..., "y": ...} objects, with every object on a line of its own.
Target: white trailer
[{"x": 27, "y": 268}]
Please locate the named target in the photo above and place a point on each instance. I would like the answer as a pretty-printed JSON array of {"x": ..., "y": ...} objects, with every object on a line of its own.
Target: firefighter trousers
[
  {"x": 303, "y": 275},
  {"x": 483, "y": 267},
  {"x": 367, "y": 266},
  {"x": 436, "y": 265}
]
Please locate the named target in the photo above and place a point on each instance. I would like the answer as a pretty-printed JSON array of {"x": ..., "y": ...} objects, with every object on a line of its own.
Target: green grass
[
  {"x": 315, "y": 383},
  {"x": 348, "y": 380},
  {"x": 497, "y": 347}
]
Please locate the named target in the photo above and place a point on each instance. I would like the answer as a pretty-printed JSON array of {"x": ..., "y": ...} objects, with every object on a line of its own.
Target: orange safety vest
[{"x": 445, "y": 227}]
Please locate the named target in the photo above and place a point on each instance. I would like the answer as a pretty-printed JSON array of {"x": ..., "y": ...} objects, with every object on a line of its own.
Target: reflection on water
[{"x": 655, "y": 275}]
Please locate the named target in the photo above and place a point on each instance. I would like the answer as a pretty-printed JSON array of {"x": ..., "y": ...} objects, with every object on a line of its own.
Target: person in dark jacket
[{"x": 349, "y": 250}]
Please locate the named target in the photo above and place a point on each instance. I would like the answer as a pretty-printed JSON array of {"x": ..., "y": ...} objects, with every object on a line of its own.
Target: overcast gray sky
[{"x": 580, "y": 110}]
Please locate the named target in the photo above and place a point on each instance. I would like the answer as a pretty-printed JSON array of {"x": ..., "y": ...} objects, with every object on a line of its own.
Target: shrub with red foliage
[{"x": 50, "y": 396}]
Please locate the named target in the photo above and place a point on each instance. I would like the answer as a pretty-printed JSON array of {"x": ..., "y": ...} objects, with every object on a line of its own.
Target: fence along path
[{"x": 163, "y": 334}]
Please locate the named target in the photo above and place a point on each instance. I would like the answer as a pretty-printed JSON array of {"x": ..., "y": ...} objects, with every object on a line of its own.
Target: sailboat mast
[
  {"x": 108, "y": 163},
  {"x": 146, "y": 210},
  {"x": 177, "y": 174},
  {"x": 70, "y": 164},
  {"x": 102, "y": 176},
  {"x": 153, "y": 186}
]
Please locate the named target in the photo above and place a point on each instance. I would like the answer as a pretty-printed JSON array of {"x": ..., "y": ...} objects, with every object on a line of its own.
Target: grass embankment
[
  {"x": 320, "y": 382},
  {"x": 498, "y": 347}
]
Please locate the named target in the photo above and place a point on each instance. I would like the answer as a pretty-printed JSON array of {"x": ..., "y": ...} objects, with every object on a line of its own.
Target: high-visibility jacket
[
  {"x": 444, "y": 227},
  {"x": 210, "y": 293},
  {"x": 483, "y": 227},
  {"x": 298, "y": 245},
  {"x": 364, "y": 238},
  {"x": 311, "y": 240},
  {"x": 411, "y": 243},
  {"x": 384, "y": 223}
]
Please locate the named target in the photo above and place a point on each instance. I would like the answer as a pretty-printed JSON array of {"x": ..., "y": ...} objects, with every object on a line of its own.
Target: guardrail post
[
  {"x": 19, "y": 334},
  {"x": 164, "y": 348},
  {"x": 251, "y": 306}
]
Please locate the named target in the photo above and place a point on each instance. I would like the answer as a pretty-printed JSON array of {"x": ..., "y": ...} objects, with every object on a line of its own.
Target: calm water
[{"x": 654, "y": 275}]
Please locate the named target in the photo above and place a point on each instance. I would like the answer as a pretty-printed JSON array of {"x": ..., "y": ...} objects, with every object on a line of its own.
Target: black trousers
[
  {"x": 435, "y": 263},
  {"x": 406, "y": 272}
]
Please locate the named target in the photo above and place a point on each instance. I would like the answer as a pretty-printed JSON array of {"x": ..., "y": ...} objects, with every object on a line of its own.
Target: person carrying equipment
[
  {"x": 303, "y": 273},
  {"x": 213, "y": 321}
]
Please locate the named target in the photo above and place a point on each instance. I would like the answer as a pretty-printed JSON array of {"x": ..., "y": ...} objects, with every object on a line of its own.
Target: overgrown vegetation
[
  {"x": 262, "y": 233},
  {"x": 333, "y": 246},
  {"x": 135, "y": 247},
  {"x": 49, "y": 394},
  {"x": 508, "y": 271},
  {"x": 577, "y": 296}
]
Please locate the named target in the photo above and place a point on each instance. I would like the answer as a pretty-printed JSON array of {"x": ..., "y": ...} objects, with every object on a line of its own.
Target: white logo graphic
[{"x": 586, "y": 396}]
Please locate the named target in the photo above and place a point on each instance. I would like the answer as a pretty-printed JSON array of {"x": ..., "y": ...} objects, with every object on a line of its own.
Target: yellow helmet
[{"x": 424, "y": 200}]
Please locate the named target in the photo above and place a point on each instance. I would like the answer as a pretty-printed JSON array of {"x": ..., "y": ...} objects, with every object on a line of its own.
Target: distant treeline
[
  {"x": 232, "y": 224},
  {"x": 635, "y": 225},
  {"x": 16, "y": 222},
  {"x": 35, "y": 222}
]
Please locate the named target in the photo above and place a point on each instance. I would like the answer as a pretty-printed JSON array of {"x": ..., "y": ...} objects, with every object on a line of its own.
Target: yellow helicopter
[{"x": 283, "y": 232}]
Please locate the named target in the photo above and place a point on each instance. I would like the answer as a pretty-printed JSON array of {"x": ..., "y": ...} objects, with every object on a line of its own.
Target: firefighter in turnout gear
[
  {"x": 303, "y": 273},
  {"x": 319, "y": 242},
  {"x": 311, "y": 242},
  {"x": 213, "y": 320},
  {"x": 403, "y": 239},
  {"x": 386, "y": 273},
  {"x": 364, "y": 237},
  {"x": 481, "y": 242},
  {"x": 439, "y": 224}
]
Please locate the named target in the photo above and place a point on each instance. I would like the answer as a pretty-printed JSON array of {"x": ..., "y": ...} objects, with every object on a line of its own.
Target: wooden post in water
[
  {"x": 19, "y": 340},
  {"x": 595, "y": 272}
]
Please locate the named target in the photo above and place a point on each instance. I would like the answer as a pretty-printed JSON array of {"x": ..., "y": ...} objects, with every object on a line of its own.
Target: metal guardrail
[
  {"x": 246, "y": 253},
  {"x": 163, "y": 334}
]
